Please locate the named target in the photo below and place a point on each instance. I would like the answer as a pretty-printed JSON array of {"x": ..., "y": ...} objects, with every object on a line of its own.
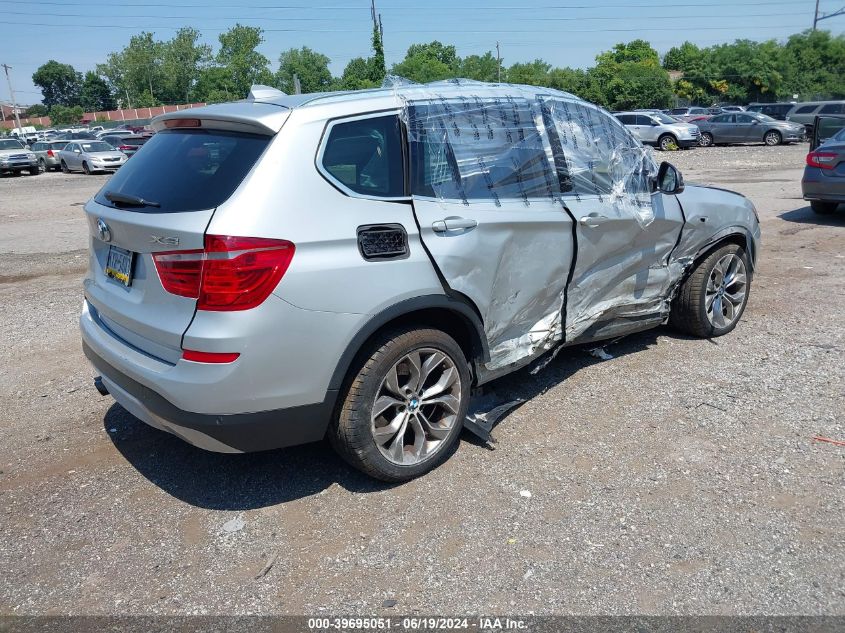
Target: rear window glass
[{"x": 186, "y": 170}]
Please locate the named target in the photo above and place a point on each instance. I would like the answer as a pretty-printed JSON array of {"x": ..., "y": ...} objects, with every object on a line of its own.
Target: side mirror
[
  {"x": 654, "y": 123},
  {"x": 755, "y": 122},
  {"x": 669, "y": 179}
]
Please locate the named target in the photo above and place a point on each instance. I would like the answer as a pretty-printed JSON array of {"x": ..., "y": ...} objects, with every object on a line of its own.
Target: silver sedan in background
[
  {"x": 748, "y": 127},
  {"x": 90, "y": 156}
]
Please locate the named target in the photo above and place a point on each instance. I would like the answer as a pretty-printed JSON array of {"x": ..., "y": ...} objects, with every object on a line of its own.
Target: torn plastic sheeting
[{"x": 504, "y": 145}]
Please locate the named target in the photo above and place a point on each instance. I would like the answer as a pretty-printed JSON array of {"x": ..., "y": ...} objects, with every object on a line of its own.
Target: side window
[
  {"x": 833, "y": 108},
  {"x": 744, "y": 118},
  {"x": 37, "y": 147},
  {"x": 643, "y": 120},
  {"x": 806, "y": 109},
  {"x": 679, "y": 111},
  {"x": 365, "y": 156},
  {"x": 479, "y": 149},
  {"x": 626, "y": 119}
]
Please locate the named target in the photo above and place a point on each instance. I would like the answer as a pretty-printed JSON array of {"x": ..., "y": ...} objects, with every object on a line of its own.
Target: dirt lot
[{"x": 680, "y": 477}]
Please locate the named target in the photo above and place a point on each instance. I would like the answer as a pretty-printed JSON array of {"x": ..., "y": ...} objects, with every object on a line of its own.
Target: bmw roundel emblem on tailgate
[{"x": 103, "y": 230}]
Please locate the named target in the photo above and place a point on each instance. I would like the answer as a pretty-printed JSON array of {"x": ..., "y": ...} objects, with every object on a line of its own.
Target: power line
[
  {"x": 510, "y": 19},
  {"x": 405, "y": 8},
  {"x": 415, "y": 30}
]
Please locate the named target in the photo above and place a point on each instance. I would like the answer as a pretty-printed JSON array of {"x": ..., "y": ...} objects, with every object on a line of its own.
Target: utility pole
[
  {"x": 7, "y": 68},
  {"x": 818, "y": 17},
  {"x": 498, "y": 64}
]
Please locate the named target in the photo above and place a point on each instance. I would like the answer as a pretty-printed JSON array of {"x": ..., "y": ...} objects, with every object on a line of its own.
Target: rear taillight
[
  {"x": 230, "y": 273},
  {"x": 123, "y": 148},
  {"x": 822, "y": 160},
  {"x": 50, "y": 153}
]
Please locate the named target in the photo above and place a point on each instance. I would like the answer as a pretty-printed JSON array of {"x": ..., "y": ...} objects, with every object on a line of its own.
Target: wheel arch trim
[{"x": 461, "y": 309}]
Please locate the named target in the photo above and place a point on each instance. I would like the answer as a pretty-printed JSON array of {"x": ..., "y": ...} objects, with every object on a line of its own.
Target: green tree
[
  {"x": 636, "y": 51},
  {"x": 376, "y": 64},
  {"x": 684, "y": 57},
  {"x": 428, "y": 62},
  {"x": 814, "y": 66},
  {"x": 214, "y": 85},
  {"x": 357, "y": 75},
  {"x": 135, "y": 74},
  {"x": 579, "y": 82},
  {"x": 95, "y": 95},
  {"x": 63, "y": 115},
  {"x": 534, "y": 73},
  {"x": 182, "y": 59},
  {"x": 59, "y": 84},
  {"x": 638, "y": 86},
  {"x": 311, "y": 67},
  {"x": 480, "y": 67},
  {"x": 238, "y": 54},
  {"x": 35, "y": 111}
]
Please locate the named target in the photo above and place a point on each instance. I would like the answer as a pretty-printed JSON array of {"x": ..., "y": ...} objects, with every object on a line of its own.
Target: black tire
[
  {"x": 772, "y": 138},
  {"x": 65, "y": 169},
  {"x": 350, "y": 432},
  {"x": 823, "y": 208},
  {"x": 86, "y": 169},
  {"x": 689, "y": 309},
  {"x": 42, "y": 164},
  {"x": 706, "y": 140},
  {"x": 35, "y": 171},
  {"x": 665, "y": 142}
]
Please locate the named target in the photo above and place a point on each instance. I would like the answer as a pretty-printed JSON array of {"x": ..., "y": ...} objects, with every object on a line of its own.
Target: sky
[{"x": 562, "y": 32}]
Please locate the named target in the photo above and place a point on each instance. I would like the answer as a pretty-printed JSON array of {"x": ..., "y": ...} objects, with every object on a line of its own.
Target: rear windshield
[
  {"x": 99, "y": 146},
  {"x": 186, "y": 170}
]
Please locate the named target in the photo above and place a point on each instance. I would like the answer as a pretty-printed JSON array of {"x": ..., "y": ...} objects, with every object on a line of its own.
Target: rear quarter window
[
  {"x": 833, "y": 108},
  {"x": 806, "y": 109},
  {"x": 365, "y": 156},
  {"x": 186, "y": 170}
]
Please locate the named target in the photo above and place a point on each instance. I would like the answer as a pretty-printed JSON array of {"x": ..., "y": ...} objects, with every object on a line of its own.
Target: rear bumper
[
  {"x": 232, "y": 433},
  {"x": 271, "y": 397},
  {"x": 817, "y": 186}
]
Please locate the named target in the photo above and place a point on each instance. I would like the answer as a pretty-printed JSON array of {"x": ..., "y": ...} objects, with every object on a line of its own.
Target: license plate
[{"x": 119, "y": 265}]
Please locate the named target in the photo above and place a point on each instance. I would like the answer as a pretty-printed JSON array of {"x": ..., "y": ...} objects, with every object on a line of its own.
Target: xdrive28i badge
[{"x": 103, "y": 230}]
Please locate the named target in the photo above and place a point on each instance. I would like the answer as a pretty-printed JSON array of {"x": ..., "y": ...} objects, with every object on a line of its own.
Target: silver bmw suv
[{"x": 351, "y": 265}]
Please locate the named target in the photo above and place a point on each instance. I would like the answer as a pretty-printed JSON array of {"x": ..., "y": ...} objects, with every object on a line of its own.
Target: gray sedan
[
  {"x": 748, "y": 127},
  {"x": 48, "y": 154},
  {"x": 90, "y": 156}
]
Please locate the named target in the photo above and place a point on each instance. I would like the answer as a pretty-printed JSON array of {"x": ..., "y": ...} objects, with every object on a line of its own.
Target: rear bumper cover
[
  {"x": 230, "y": 433},
  {"x": 817, "y": 186}
]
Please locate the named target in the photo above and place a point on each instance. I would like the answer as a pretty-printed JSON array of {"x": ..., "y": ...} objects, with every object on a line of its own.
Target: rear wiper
[{"x": 132, "y": 201}]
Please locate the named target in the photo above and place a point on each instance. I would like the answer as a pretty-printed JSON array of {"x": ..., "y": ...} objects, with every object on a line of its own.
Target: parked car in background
[
  {"x": 777, "y": 110},
  {"x": 74, "y": 136},
  {"x": 15, "y": 158},
  {"x": 823, "y": 183},
  {"x": 806, "y": 113},
  {"x": 254, "y": 284},
  {"x": 727, "y": 107},
  {"x": 127, "y": 144},
  {"x": 748, "y": 127},
  {"x": 48, "y": 154},
  {"x": 90, "y": 156},
  {"x": 714, "y": 111},
  {"x": 660, "y": 130},
  {"x": 685, "y": 114},
  {"x": 113, "y": 138}
]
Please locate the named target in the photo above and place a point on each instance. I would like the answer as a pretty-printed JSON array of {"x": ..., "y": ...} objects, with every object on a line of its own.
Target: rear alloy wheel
[
  {"x": 667, "y": 143},
  {"x": 823, "y": 208},
  {"x": 404, "y": 410},
  {"x": 65, "y": 169},
  {"x": 712, "y": 299},
  {"x": 42, "y": 164},
  {"x": 86, "y": 169},
  {"x": 772, "y": 138},
  {"x": 706, "y": 140}
]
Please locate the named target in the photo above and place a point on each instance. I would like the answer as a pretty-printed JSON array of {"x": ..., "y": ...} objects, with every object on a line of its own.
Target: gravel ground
[{"x": 679, "y": 477}]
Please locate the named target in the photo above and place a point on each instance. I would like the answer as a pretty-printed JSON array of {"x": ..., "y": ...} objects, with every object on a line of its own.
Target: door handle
[
  {"x": 593, "y": 220},
  {"x": 453, "y": 224}
]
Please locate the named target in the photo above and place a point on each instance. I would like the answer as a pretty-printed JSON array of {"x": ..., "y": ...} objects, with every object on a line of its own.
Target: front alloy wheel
[
  {"x": 726, "y": 290},
  {"x": 772, "y": 138},
  {"x": 706, "y": 139}
]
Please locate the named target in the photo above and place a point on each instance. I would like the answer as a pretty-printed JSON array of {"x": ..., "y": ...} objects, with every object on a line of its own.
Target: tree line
[{"x": 150, "y": 72}]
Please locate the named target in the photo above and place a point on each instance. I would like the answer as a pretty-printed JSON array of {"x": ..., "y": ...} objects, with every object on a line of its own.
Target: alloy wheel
[
  {"x": 772, "y": 138},
  {"x": 706, "y": 140},
  {"x": 726, "y": 291},
  {"x": 416, "y": 407}
]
